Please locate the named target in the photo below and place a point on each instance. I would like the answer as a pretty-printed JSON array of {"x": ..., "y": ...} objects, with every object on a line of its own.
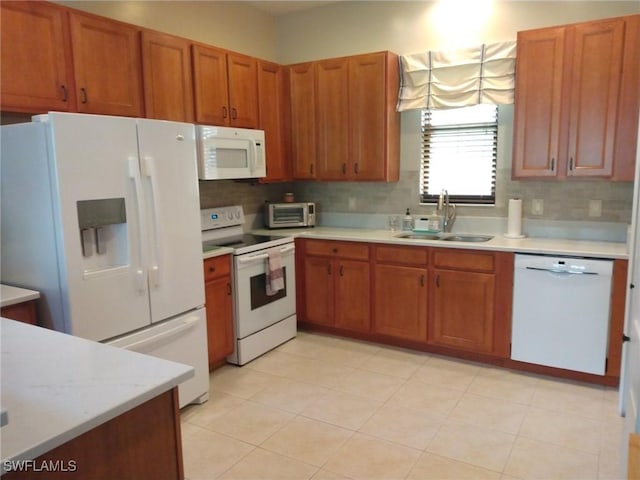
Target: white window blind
[
  {"x": 484, "y": 74},
  {"x": 459, "y": 154}
]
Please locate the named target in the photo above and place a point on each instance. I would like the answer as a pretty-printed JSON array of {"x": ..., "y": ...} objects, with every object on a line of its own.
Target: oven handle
[{"x": 263, "y": 256}]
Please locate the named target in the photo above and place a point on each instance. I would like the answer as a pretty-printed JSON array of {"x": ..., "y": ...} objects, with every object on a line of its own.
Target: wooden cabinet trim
[
  {"x": 466, "y": 260},
  {"x": 333, "y": 248},
  {"x": 412, "y": 256}
]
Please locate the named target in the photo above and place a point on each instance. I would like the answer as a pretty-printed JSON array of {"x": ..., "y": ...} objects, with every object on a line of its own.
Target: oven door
[{"x": 254, "y": 310}]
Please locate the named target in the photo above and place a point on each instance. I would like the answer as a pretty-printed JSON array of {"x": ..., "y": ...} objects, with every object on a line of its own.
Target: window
[{"x": 459, "y": 151}]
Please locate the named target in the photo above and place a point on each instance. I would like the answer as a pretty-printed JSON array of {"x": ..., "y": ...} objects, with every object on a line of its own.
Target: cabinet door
[
  {"x": 629, "y": 104},
  {"x": 538, "y": 96},
  {"x": 368, "y": 116},
  {"x": 242, "y": 74},
  {"x": 272, "y": 103},
  {"x": 595, "y": 83},
  {"x": 462, "y": 314},
  {"x": 107, "y": 65},
  {"x": 37, "y": 72},
  {"x": 318, "y": 290},
  {"x": 219, "y": 305},
  {"x": 353, "y": 309},
  {"x": 303, "y": 121},
  {"x": 332, "y": 83},
  {"x": 401, "y": 302},
  {"x": 210, "y": 85},
  {"x": 166, "y": 66}
]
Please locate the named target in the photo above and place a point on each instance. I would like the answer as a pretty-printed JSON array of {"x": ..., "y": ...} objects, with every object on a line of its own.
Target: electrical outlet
[
  {"x": 352, "y": 204},
  {"x": 595, "y": 208},
  {"x": 537, "y": 206}
]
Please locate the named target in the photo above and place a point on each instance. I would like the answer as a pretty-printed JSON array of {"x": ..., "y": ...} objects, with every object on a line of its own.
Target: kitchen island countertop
[
  {"x": 56, "y": 387},
  {"x": 534, "y": 245}
]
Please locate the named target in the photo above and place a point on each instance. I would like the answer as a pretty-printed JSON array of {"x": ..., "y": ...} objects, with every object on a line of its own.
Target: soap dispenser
[{"x": 407, "y": 221}]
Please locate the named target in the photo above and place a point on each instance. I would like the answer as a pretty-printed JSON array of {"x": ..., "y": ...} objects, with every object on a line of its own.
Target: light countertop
[
  {"x": 547, "y": 246},
  {"x": 56, "y": 387},
  {"x": 216, "y": 252},
  {"x": 11, "y": 295}
]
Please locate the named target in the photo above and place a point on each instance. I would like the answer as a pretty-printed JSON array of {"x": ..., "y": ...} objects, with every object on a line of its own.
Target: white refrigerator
[{"x": 101, "y": 215}]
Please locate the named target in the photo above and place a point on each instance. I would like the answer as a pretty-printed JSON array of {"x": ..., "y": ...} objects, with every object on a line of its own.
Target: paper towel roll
[{"x": 514, "y": 219}]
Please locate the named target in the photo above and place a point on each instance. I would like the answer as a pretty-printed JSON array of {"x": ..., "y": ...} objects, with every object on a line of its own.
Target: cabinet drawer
[
  {"x": 356, "y": 251},
  {"x": 463, "y": 260},
  {"x": 216, "y": 267},
  {"x": 402, "y": 255}
]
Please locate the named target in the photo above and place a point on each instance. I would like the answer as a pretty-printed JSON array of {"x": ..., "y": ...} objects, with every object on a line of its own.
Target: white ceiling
[{"x": 277, "y": 8}]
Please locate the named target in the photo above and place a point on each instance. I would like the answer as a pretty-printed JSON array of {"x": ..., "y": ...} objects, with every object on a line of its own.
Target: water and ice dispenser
[{"x": 103, "y": 233}]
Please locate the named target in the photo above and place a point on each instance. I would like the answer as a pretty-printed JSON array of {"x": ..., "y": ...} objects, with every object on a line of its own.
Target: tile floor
[{"x": 321, "y": 408}]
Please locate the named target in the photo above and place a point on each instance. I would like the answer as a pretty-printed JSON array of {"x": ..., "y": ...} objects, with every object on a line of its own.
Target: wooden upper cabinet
[
  {"x": 538, "y": 97},
  {"x": 225, "y": 87},
  {"x": 629, "y": 104},
  {"x": 303, "y": 120},
  {"x": 332, "y": 100},
  {"x": 595, "y": 84},
  {"x": 166, "y": 67},
  {"x": 37, "y": 71},
  {"x": 107, "y": 65},
  {"x": 576, "y": 98},
  {"x": 210, "y": 85},
  {"x": 349, "y": 104},
  {"x": 243, "y": 90},
  {"x": 374, "y": 124},
  {"x": 272, "y": 102}
]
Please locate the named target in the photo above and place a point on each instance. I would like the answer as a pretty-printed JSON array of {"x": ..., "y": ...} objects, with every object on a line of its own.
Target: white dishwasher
[{"x": 561, "y": 312}]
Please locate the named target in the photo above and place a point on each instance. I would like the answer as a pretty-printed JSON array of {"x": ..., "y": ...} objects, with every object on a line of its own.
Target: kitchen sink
[
  {"x": 419, "y": 236},
  {"x": 446, "y": 237},
  {"x": 467, "y": 238}
]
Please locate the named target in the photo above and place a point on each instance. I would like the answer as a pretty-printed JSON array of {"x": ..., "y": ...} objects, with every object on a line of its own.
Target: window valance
[{"x": 458, "y": 78}]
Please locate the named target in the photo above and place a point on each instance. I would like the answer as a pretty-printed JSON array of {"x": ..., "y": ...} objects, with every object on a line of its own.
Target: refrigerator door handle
[
  {"x": 148, "y": 170},
  {"x": 188, "y": 323},
  {"x": 139, "y": 273}
]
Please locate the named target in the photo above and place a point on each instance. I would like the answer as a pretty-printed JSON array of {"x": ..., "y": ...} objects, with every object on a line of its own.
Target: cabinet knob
[
  {"x": 212, "y": 269},
  {"x": 334, "y": 250},
  {"x": 553, "y": 164},
  {"x": 224, "y": 112},
  {"x": 228, "y": 289},
  {"x": 422, "y": 280},
  {"x": 344, "y": 168},
  {"x": 83, "y": 95},
  {"x": 64, "y": 93},
  {"x": 328, "y": 269},
  {"x": 438, "y": 281},
  {"x": 234, "y": 113},
  {"x": 342, "y": 270},
  {"x": 355, "y": 168}
]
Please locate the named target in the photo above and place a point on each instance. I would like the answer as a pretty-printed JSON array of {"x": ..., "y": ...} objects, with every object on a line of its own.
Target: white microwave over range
[{"x": 230, "y": 153}]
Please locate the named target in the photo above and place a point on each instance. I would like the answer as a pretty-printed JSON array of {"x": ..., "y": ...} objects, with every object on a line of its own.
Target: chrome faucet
[{"x": 448, "y": 211}]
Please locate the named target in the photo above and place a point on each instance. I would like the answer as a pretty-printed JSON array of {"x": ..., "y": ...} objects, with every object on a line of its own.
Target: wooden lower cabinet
[
  {"x": 400, "y": 279},
  {"x": 447, "y": 301},
  {"x": 319, "y": 291},
  {"x": 219, "y": 305},
  {"x": 337, "y": 285},
  {"x": 23, "y": 312},
  {"x": 352, "y": 298},
  {"x": 400, "y": 308},
  {"x": 462, "y": 310},
  {"x": 143, "y": 443}
]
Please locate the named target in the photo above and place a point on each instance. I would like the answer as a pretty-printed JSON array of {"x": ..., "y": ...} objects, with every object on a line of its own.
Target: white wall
[{"x": 352, "y": 27}]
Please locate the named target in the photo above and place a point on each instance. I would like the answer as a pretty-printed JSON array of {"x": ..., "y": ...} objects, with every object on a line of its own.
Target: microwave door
[{"x": 228, "y": 159}]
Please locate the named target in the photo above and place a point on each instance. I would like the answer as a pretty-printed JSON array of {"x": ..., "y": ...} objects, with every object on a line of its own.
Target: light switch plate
[
  {"x": 595, "y": 208},
  {"x": 537, "y": 206}
]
